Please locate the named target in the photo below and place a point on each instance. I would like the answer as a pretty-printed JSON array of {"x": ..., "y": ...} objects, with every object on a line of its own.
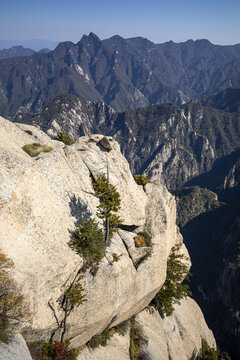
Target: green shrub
[
  {"x": 173, "y": 290},
  {"x": 35, "y": 149},
  {"x": 74, "y": 294},
  {"x": 115, "y": 257},
  {"x": 59, "y": 351},
  {"x": 137, "y": 340},
  {"x": 141, "y": 179},
  {"x": 63, "y": 137},
  {"x": 11, "y": 300},
  {"x": 101, "y": 339},
  {"x": 114, "y": 221},
  {"x": 71, "y": 298},
  {"x": 88, "y": 241},
  {"x": 208, "y": 353}
]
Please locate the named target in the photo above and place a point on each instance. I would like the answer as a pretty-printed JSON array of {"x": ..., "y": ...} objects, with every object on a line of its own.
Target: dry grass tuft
[{"x": 35, "y": 149}]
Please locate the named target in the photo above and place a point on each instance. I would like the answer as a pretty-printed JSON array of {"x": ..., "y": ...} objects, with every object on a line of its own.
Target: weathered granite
[
  {"x": 15, "y": 350},
  {"x": 43, "y": 198}
]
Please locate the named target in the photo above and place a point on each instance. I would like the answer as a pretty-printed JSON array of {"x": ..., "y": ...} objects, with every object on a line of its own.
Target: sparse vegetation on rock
[
  {"x": 70, "y": 299},
  {"x": 141, "y": 179},
  {"x": 11, "y": 300},
  {"x": 146, "y": 237},
  {"x": 136, "y": 341},
  {"x": 35, "y": 149},
  {"x": 173, "y": 290},
  {"x": 88, "y": 241},
  {"x": 59, "y": 351},
  {"x": 63, "y": 137},
  {"x": 208, "y": 353},
  {"x": 101, "y": 339}
]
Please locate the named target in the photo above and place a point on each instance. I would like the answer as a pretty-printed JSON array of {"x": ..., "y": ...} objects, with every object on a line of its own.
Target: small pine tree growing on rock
[
  {"x": 88, "y": 241},
  {"x": 109, "y": 203},
  {"x": 173, "y": 290}
]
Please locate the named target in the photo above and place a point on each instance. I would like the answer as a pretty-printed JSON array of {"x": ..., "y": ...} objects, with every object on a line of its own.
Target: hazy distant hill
[
  {"x": 35, "y": 44},
  {"x": 19, "y": 51},
  {"x": 124, "y": 73},
  {"x": 15, "y": 51}
]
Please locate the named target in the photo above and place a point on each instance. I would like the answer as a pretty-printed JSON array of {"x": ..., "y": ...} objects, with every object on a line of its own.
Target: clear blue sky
[{"x": 157, "y": 20}]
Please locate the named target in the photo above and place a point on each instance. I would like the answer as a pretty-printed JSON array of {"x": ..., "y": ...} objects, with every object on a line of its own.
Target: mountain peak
[{"x": 93, "y": 36}]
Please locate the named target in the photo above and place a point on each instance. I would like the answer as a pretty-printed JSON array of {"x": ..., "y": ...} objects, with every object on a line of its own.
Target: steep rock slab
[
  {"x": 15, "y": 350},
  {"x": 177, "y": 337},
  {"x": 117, "y": 348},
  {"x": 39, "y": 211}
]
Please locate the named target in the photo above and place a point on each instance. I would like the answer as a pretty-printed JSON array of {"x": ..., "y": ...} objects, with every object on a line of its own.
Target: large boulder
[{"x": 42, "y": 199}]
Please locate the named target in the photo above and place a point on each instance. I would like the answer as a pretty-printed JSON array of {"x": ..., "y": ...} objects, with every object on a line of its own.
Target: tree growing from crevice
[
  {"x": 173, "y": 290},
  {"x": 12, "y": 308},
  {"x": 109, "y": 205},
  {"x": 88, "y": 241},
  {"x": 70, "y": 299}
]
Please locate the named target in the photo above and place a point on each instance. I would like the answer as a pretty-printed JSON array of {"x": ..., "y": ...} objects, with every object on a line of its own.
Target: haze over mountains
[
  {"x": 19, "y": 51},
  {"x": 124, "y": 73},
  {"x": 34, "y": 44}
]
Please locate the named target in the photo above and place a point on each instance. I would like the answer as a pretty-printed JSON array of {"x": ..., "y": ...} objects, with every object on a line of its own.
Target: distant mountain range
[
  {"x": 35, "y": 44},
  {"x": 124, "y": 73},
  {"x": 168, "y": 143},
  {"x": 19, "y": 51}
]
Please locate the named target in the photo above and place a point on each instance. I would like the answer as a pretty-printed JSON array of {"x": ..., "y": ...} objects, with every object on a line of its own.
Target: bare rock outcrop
[
  {"x": 15, "y": 350},
  {"x": 41, "y": 201},
  {"x": 178, "y": 337}
]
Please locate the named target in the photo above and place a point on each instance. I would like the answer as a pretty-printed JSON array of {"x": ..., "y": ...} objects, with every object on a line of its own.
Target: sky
[{"x": 159, "y": 21}]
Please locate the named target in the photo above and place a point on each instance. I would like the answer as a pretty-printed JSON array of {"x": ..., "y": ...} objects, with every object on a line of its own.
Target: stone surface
[
  {"x": 178, "y": 336},
  {"x": 15, "y": 350},
  {"x": 41, "y": 201},
  {"x": 105, "y": 143},
  {"x": 135, "y": 253},
  {"x": 117, "y": 348}
]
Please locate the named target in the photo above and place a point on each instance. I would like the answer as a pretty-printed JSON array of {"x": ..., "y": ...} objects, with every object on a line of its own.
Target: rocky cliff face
[
  {"x": 170, "y": 144},
  {"x": 42, "y": 199},
  {"x": 211, "y": 233},
  {"x": 175, "y": 337}
]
